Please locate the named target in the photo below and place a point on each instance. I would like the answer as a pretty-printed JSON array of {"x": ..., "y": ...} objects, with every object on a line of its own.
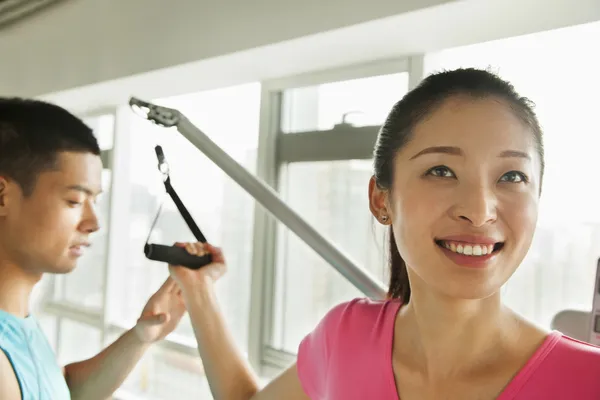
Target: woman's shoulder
[
  {"x": 562, "y": 353},
  {"x": 562, "y": 368},
  {"x": 351, "y": 334},
  {"x": 360, "y": 310},
  {"x": 353, "y": 320},
  {"x": 573, "y": 350}
]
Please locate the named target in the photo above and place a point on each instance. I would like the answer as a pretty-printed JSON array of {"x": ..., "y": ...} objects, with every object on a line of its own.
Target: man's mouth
[
  {"x": 77, "y": 249},
  {"x": 470, "y": 249}
]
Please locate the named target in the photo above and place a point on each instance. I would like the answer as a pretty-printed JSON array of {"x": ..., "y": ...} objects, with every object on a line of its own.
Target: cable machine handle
[{"x": 176, "y": 256}]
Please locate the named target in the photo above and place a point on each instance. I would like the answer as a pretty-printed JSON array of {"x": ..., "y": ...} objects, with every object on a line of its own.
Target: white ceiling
[{"x": 117, "y": 49}]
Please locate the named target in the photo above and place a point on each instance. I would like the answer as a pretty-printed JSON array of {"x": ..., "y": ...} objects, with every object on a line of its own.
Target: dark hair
[
  {"x": 414, "y": 108},
  {"x": 32, "y": 133}
]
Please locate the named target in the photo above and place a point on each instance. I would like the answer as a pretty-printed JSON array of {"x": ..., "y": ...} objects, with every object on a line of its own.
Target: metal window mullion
[
  {"x": 83, "y": 315},
  {"x": 59, "y": 320},
  {"x": 344, "y": 142},
  {"x": 106, "y": 157},
  {"x": 416, "y": 70},
  {"x": 167, "y": 343},
  {"x": 118, "y": 208},
  {"x": 264, "y": 232},
  {"x": 108, "y": 163},
  {"x": 277, "y": 358}
]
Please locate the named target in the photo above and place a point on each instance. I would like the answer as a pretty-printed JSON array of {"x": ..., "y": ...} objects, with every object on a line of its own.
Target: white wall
[{"x": 110, "y": 45}]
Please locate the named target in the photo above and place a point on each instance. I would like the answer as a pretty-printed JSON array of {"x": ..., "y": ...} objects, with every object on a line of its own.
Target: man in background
[{"x": 50, "y": 177}]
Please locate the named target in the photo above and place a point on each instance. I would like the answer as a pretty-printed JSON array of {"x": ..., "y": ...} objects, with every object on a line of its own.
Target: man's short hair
[{"x": 33, "y": 133}]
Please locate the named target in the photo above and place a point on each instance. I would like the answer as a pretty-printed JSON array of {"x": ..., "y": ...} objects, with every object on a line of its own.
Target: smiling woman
[
  {"x": 457, "y": 179},
  {"x": 459, "y": 138}
]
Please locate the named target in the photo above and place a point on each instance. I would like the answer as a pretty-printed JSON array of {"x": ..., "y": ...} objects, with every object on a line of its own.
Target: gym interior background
[{"x": 288, "y": 86}]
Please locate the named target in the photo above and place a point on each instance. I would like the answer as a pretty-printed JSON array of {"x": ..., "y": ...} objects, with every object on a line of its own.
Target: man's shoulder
[
  {"x": 24, "y": 353},
  {"x": 22, "y": 339},
  {"x": 11, "y": 333}
]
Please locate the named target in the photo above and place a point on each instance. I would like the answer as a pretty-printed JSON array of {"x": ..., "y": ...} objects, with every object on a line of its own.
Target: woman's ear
[{"x": 379, "y": 203}]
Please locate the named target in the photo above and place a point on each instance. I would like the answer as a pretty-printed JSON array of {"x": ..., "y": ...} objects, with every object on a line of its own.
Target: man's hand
[
  {"x": 99, "y": 376},
  {"x": 162, "y": 313}
]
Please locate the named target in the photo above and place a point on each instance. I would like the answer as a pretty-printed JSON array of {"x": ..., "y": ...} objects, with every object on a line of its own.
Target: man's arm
[
  {"x": 99, "y": 377},
  {"x": 9, "y": 387}
]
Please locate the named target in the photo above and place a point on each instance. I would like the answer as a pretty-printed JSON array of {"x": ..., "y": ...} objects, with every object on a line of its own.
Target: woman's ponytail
[{"x": 399, "y": 284}]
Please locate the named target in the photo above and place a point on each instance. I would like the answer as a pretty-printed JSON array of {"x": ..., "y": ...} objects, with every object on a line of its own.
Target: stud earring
[{"x": 384, "y": 218}]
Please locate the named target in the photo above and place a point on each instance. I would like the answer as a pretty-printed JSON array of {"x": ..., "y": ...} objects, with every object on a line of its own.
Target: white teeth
[{"x": 469, "y": 249}]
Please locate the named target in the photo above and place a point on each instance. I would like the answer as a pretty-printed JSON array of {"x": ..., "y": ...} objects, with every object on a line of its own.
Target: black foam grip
[{"x": 176, "y": 256}]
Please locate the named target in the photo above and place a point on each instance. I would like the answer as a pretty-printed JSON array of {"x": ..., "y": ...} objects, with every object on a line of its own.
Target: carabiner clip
[{"x": 163, "y": 165}]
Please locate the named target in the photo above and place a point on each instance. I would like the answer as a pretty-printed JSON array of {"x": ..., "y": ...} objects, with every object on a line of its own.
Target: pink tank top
[{"x": 349, "y": 356}]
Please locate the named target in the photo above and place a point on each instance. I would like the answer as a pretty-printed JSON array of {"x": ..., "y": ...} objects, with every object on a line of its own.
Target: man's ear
[
  {"x": 379, "y": 203},
  {"x": 4, "y": 192}
]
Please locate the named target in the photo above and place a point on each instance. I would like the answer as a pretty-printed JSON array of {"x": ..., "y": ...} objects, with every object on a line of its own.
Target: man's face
[{"x": 48, "y": 230}]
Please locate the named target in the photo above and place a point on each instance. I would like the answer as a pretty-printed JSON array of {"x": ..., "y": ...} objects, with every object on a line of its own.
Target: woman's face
[{"x": 464, "y": 200}]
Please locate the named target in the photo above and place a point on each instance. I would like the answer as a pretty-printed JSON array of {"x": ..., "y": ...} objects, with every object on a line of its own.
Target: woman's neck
[{"x": 449, "y": 337}]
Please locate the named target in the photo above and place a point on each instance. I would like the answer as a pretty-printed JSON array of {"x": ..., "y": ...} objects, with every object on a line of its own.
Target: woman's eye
[
  {"x": 441, "y": 172},
  {"x": 514, "y": 177},
  {"x": 74, "y": 203}
]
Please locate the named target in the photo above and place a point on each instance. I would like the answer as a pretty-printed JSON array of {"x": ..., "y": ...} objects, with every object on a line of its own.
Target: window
[
  {"x": 361, "y": 102},
  {"x": 332, "y": 197},
  {"x": 49, "y": 325},
  {"x": 558, "y": 71},
  {"x": 77, "y": 341},
  {"x": 222, "y": 210},
  {"x": 162, "y": 372},
  {"x": 329, "y": 189},
  {"x": 74, "y": 311}
]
